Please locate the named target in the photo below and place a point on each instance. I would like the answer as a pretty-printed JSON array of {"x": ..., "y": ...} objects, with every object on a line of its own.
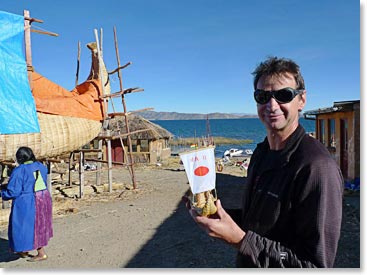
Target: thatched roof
[{"x": 137, "y": 123}]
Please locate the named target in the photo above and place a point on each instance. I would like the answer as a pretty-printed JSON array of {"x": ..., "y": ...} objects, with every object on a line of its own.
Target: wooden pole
[
  {"x": 45, "y": 32},
  {"x": 103, "y": 81},
  {"x": 105, "y": 105},
  {"x": 4, "y": 173},
  {"x": 71, "y": 159},
  {"x": 101, "y": 41},
  {"x": 131, "y": 160},
  {"x": 28, "y": 51},
  {"x": 49, "y": 177},
  {"x": 81, "y": 174},
  {"x": 99, "y": 164},
  {"x": 109, "y": 155},
  {"x": 77, "y": 65}
]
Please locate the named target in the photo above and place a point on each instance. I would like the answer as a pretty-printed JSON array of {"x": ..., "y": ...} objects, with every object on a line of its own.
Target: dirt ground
[{"x": 148, "y": 227}]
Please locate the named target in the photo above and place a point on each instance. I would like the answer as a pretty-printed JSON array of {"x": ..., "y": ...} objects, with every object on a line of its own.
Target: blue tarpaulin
[{"x": 17, "y": 107}]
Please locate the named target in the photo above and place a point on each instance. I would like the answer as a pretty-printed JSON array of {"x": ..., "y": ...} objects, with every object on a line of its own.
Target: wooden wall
[{"x": 347, "y": 156}]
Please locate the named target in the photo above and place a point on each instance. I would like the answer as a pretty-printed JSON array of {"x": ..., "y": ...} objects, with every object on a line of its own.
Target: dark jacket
[{"x": 292, "y": 210}]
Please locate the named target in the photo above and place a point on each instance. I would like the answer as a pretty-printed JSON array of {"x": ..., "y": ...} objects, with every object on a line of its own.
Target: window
[
  {"x": 144, "y": 145},
  {"x": 345, "y": 133},
  {"x": 331, "y": 133},
  {"x": 134, "y": 145}
]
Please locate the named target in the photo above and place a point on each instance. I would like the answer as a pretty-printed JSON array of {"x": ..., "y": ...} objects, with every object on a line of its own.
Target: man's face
[{"x": 280, "y": 117}]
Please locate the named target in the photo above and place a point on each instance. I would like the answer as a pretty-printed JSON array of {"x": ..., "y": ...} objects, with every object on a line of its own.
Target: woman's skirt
[{"x": 43, "y": 230}]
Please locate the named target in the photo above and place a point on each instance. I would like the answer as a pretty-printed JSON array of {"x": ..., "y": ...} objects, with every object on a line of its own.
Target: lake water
[{"x": 246, "y": 128}]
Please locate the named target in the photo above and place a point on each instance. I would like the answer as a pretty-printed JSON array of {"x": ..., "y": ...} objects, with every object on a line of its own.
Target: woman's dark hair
[
  {"x": 24, "y": 154},
  {"x": 278, "y": 66}
]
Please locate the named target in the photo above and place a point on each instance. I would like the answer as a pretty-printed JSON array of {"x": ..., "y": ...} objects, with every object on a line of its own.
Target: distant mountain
[{"x": 152, "y": 115}]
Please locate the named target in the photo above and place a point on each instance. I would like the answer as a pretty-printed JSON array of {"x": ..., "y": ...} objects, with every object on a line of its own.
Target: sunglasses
[{"x": 284, "y": 95}]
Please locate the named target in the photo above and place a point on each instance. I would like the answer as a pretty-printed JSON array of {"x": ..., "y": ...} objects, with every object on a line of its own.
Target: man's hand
[{"x": 220, "y": 225}]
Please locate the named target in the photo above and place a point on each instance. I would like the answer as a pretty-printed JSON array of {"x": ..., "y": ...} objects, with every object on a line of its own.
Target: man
[{"x": 292, "y": 210}]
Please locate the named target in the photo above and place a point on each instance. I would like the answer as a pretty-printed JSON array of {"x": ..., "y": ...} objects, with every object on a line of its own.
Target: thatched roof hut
[
  {"x": 150, "y": 141},
  {"x": 137, "y": 123}
]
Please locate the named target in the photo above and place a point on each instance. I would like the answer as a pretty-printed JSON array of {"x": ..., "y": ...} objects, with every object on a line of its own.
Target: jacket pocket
[{"x": 264, "y": 211}]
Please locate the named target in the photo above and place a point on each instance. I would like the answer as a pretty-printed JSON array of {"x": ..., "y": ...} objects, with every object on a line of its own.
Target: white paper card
[{"x": 200, "y": 169}]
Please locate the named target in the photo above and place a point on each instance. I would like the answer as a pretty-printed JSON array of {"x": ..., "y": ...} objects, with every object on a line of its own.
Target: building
[
  {"x": 150, "y": 142},
  {"x": 338, "y": 128}
]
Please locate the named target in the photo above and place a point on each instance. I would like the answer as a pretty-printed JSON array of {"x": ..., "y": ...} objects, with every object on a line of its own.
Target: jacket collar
[{"x": 285, "y": 154}]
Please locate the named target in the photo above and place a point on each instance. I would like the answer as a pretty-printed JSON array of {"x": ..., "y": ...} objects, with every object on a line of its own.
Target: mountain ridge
[{"x": 153, "y": 115}]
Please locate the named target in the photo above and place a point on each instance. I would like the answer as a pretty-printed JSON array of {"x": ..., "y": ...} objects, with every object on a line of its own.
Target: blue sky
[{"x": 196, "y": 56}]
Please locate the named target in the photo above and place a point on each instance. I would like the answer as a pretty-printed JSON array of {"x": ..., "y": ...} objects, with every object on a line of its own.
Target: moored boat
[{"x": 233, "y": 152}]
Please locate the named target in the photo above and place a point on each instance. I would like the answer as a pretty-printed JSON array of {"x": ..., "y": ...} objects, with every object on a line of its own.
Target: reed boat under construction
[{"x": 41, "y": 114}]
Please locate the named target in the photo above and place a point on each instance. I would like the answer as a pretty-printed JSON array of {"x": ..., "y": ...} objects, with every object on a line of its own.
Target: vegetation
[{"x": 217, "y": 141}]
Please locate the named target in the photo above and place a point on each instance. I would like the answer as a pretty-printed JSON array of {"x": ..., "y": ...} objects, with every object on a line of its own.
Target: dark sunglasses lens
[
  {"x": 283, "y": 95},
  {"x": 262, "y": 97}
]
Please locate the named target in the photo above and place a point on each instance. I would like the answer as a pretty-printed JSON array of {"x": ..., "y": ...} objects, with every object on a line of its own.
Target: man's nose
[{"x": 272, "y": 105}]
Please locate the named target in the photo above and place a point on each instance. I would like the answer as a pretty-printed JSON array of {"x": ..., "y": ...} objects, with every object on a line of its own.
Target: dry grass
[{"x": 217, "y": 141}]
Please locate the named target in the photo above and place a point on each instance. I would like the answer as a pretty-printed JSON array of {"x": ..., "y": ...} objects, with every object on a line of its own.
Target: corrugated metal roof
[{"x": 340, "y": 106}]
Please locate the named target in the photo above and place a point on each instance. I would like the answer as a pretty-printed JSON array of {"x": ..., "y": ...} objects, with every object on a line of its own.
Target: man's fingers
[{"x": 218, "y": 204}]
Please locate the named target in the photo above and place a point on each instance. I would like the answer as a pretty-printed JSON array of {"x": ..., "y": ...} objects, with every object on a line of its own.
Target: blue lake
[{"x": 246, "y": 128}]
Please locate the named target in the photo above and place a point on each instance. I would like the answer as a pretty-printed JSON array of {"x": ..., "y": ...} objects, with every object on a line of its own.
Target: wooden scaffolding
[{"x": 105, "y": 134}]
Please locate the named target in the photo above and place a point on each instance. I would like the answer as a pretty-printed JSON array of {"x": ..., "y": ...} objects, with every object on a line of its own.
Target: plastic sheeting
[
  {"x": 17, "y": 107},
  {"x": 83, "y": 101}
]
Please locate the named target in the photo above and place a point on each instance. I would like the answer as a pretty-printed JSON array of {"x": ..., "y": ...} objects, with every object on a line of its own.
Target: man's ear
[{"x": 302, "y": 101}]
